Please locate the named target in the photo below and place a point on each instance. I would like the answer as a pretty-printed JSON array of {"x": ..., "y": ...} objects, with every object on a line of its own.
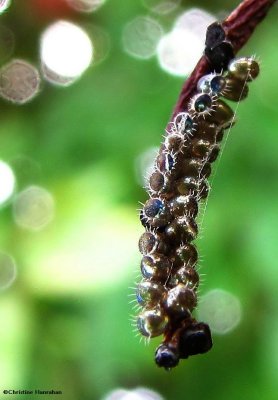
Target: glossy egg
[
  {"x": 187, "y": 185},
  {"x": 196, "y": 168},
  {"x": 188, "y": 228},
  {"x": 202, "y": 104},
  {"x": 157, "y": 182},
  {"x": 184, "y": 123},
  {"x": 186, "y": 275},
  {"x": 212, "y": 83},
  {"x": 187, "y": 254},
  {"x": 236, "y": 90},
  {"x": 244, "y": 68},
  {"x": 181, "y": 300},
  {"x": 156, "y": 267},
  {"x": 174, "y": 142},
  {"x": 149, "y": 293},
  {"x": 165, "y": 162},
  {"x": 223, "y": 115},
  {"x": 156, "y": 213},
  {"x": 152, "y": 322},
  {"x": 200, "y": 148}
]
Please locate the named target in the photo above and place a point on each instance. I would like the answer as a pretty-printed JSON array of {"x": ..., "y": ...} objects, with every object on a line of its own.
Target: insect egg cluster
[{"x": 167, "y": 293}]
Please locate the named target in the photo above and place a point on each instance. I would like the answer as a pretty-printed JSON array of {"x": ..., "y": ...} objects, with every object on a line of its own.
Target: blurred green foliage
[{"x": 65, "y": 321}]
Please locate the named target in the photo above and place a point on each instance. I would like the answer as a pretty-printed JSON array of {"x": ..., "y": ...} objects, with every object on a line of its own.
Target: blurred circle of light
[
  {"x": 161, "y": 6},
  {"x": 196, "y": 21},
  {"x": 66, "y": 52},
  {"x": 4, "y": 4},
  {"x": 136, "y": 394},
  {"x": 179, "y": 50},
  {"x": 33, "y": 208},
  {"x": 7, "y": 182},
  {"x": 86, "y": 5},
  {"x": 221, "y": 310},
  {"x": 8, "y": 271},
  {"x": 19, "y": 81},
  {"x": 140, "y": 37}
]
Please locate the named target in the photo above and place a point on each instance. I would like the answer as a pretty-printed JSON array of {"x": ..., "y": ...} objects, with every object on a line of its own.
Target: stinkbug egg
[
  {"x": 184, "y": 123},
  {"x": 156, "y": 267},
  {"x": 244, "y": 68},
  {"x": 187, "y": 254},
  {"x": 150, "y": 242},
  {"x": 149, "y": 293},
  {"x": 165, "y": 162},
  {"x": 200, "y": 148},
  {"x": 223, "y": 116},
  {"x": 181, "y": 300},
  {"x": 236, "y": 89},
  {"x": 203, "y": 104},
  {"x": 184, "y": 205},
  {"x": 152, "y": 322},
  {"x": 157, "y": 182},
  {"x": 196, "y": 168},
  {"x": 188, "y": 228},
  {"x": 156, "y": 212},
  {"x": 187, "y": 185},
  {"x": 186, "y": 275},
  {"x": 212, "y": 83},
  {"x": 147, "y": 243},
  {"x": 174, "y": 142}
]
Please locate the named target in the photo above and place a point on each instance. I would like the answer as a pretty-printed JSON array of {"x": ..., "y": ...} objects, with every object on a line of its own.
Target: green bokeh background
[{"x": 65, "y": 321}]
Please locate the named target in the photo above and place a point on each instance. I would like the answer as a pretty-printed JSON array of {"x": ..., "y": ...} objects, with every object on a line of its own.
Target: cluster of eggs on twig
[{"x": 168, "y": 292}]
